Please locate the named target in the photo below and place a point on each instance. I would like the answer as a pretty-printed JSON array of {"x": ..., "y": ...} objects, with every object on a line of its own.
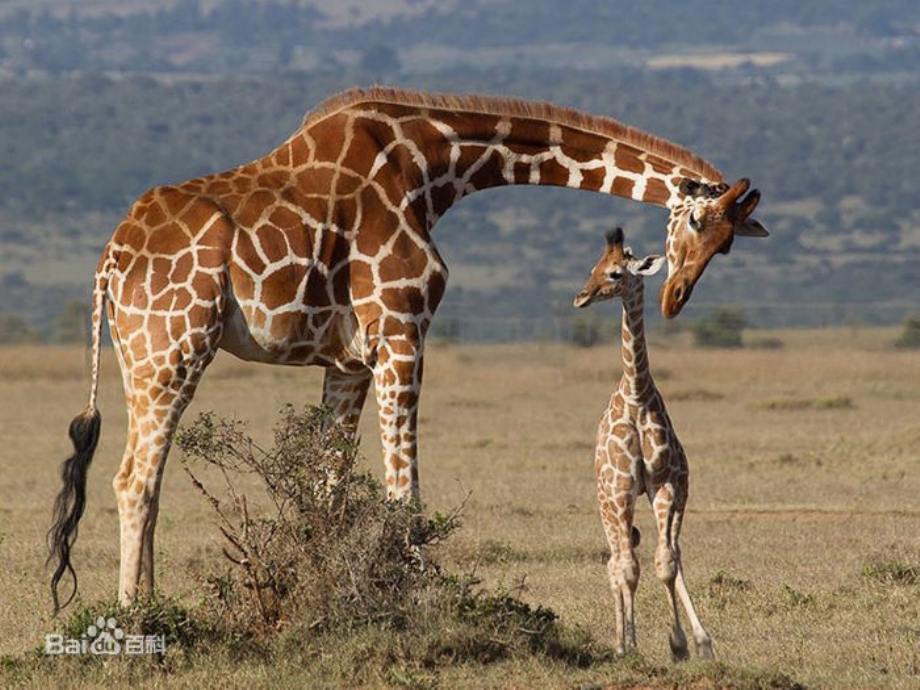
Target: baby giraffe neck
[{"x": 636, "y": 373}]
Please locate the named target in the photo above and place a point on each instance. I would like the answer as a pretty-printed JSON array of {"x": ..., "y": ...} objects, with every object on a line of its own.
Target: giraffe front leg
[
  {"x": 623, "y": 572},
  {"x": 629, "y": 567},
  {"x": 397, "y": 384},
  {"x": 616, "y": 586}
]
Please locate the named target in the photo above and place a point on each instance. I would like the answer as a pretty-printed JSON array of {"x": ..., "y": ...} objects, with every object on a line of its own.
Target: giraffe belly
[
  {"x": 266, "y": 316},
  {"x": 304, "y": 336}
]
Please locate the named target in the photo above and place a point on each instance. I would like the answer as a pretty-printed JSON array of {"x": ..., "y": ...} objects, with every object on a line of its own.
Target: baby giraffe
[{"x": 638, "y": 452}]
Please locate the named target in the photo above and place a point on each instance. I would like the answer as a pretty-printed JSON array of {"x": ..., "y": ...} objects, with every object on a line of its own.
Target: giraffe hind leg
[
  {"x": 155, "y": 409},
  {"x": 667, "y": 564},
  {"x": 162, "y": 358},
  {"x": 701, "y": 638},
  {"x": 343, "y": 395}
]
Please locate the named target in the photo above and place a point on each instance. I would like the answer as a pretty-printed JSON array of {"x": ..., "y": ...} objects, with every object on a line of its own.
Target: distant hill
[
  {"x": 816, "y": 102},
  {"x": 259, "y": 36}
]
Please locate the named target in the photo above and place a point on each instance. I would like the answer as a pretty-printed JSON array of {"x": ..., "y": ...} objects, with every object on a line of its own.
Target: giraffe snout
[
  {"x": 582, "y": 299},
  {"x": 674, "y": 295}
]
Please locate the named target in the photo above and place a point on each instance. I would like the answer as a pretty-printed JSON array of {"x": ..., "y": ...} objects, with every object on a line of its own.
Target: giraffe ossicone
[
  {"x": 321, "y": 253},
  {"x": 638, "y": 452}
]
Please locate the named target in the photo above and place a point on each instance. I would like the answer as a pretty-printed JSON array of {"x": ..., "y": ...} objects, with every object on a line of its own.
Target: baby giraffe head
[{"x": 617, "y": 273}]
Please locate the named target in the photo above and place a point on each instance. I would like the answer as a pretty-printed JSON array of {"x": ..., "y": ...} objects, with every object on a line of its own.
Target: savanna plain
[{"x": 801, "y": 544}]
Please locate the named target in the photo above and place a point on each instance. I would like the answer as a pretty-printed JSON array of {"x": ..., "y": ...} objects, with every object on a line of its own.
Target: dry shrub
[
  {"x": 328, "y": 551},
  {"x": 328, "y": 555}
]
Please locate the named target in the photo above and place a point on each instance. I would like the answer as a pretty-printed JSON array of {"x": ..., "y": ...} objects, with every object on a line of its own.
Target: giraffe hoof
[
  {"x": 704, "y": 648},
  {"x": 679, "y": 651}
]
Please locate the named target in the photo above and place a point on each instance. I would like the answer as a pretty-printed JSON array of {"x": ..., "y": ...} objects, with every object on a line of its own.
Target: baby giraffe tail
[{"x": 84, "y": 434}]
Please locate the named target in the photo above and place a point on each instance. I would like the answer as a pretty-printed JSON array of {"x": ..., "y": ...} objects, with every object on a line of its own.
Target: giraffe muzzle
[
  {"x": 675, "y": 293},
  {"x": 583, "y": 299}
]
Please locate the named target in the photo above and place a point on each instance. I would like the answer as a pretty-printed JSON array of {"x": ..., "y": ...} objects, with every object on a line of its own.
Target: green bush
[
  {"x": 722, "y": 328},
  {"x": 180, "y": 627},
  {"x": 910, "y": 335},
  {"x": 330, "y": 550}
]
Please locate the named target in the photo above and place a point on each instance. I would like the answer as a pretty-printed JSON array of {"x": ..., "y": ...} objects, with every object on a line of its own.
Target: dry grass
[{"x": 801, "y": 546}]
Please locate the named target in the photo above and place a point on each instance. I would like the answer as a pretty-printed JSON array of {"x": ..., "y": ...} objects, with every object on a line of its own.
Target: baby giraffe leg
[
  {"x": 616, "y": 507},
  {"x": 701, "y": 639},
  {"x": 619, "y": 627},
  {"x": 667, "y": 565},
  {"x": 629, "y": 567},
  {"x": 623, "y": 571}
]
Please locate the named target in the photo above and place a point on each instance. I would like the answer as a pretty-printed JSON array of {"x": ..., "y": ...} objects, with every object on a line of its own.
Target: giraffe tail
[{"x": 84, "y": 434}]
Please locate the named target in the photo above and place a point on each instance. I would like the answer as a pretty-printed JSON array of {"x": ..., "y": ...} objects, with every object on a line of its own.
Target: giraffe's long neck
[
  {"x": 636, "y": 373},
  {"x": 427, "y": 152},
  {"x": 486, "y": 152}
]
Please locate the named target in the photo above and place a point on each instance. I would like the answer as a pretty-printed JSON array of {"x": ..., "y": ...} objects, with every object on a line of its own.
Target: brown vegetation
[{"x": 801, "y": 534}]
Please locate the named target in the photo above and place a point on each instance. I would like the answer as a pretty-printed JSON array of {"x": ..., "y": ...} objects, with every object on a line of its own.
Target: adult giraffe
[{"x": 321, "y": 253}]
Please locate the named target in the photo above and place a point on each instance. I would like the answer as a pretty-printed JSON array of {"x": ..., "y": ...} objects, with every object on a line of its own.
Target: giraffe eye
[
  {"x": 615, "y": 274},
  {"x": 693, "y": 222}
]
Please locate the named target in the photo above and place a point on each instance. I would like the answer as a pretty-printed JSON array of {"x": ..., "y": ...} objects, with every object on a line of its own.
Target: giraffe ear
[
  {"x": 751, "y": 228},
  {"x": 648, "y": 266}
]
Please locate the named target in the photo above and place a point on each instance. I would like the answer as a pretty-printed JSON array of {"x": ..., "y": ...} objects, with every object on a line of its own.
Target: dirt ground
[{"x": 801, "y": 545}]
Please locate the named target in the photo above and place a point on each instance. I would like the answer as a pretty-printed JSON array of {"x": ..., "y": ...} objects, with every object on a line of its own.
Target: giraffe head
[
  {"x": 704, "y": 220},
  {"x": 617, "y": 273}
]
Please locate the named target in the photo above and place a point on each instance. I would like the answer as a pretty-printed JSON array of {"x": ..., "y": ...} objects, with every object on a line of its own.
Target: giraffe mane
[{"x": 516, "y": 107}]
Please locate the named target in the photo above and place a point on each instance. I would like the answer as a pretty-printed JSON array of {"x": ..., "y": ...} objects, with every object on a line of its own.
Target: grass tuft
[
  {"x": 724, "y": 589},
  {"x": 891, "y": 572},
  {"x": 795, "y": 598}
]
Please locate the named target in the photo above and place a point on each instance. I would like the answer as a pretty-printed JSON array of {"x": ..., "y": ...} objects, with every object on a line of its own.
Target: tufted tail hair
[
  {"x": 84, "y": 434},
  {"x": 71, "y": 501}
]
